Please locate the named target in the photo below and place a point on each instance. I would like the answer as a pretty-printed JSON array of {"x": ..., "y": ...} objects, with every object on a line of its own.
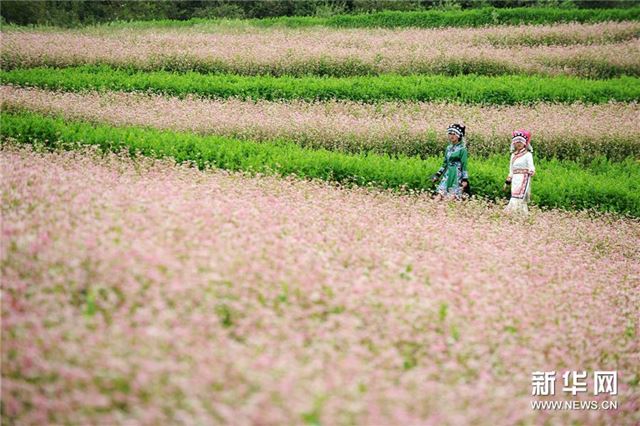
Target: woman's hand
[{"x": 507, "y": 184}]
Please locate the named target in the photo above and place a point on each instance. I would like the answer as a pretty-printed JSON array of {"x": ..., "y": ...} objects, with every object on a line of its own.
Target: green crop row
[
  {"x": 482, "y": 17},
  {"x": 506, "y": 90},
  {"x": 603, "y": 186},
  {"x": 419, "y": 19}
]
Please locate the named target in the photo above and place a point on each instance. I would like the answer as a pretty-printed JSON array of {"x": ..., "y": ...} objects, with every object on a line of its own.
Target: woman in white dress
[{"x": 521, "y": 169}]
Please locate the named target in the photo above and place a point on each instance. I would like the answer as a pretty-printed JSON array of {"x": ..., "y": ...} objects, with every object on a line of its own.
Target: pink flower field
[
  {"x": 543, "y": 49},
  {"x": 145, "y": 292},
  {"x": 341, "y": 125}
]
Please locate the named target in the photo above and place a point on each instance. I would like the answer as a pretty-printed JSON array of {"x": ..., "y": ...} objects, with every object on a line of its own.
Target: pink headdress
[{"x": 523, "y": 136}]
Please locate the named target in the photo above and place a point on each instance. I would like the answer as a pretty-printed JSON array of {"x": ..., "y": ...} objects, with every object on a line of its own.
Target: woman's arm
[
  {"x": 442, "y": 169},
  {"x": 507, "y": 181},
  {"x": 464, "y": 159},
  {"x": 532, "y": 168},
  {"x": 510, "y": 176}
]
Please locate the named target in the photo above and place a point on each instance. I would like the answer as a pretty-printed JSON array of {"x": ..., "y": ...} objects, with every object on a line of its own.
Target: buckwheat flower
[{"x": 160, "y": 293}]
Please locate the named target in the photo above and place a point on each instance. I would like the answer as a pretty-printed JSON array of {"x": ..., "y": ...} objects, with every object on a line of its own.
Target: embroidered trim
[
  {"x": 521, "y": 192},
  {"x": 517, "y": 155}
]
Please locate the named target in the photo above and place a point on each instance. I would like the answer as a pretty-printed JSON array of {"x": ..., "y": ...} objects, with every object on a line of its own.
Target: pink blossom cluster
[
  {"x": 339, "y": 124},
  {"x": 252, "y": 50},
  {"x": 143, "y": 292},
  {"x": 558, "y": 34}
]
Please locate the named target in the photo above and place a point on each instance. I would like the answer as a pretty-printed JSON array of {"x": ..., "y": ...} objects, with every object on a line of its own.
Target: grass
[{"x": 471, "y": 89}]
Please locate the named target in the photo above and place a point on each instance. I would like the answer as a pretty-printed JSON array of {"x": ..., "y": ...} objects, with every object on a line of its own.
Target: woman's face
[
  {"x": 519, "y": 146},
  {"x": 453, "y": 138}
]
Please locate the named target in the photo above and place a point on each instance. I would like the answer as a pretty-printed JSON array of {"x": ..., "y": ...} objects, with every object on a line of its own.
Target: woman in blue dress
[{"x": 453, "y": 176}]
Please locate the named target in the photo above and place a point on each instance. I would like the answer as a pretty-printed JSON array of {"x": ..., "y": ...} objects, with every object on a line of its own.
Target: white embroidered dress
[{"x": 521, "y": 170}]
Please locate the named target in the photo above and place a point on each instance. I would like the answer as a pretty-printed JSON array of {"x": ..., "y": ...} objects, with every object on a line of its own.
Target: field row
[
  {"x": 594, "y": 51},
  {"x": 479, "y": 17},
  {"x": 569, "y": 34},
  {"x": 602, "y": 185},
  {"x": 168, "y": 295},
  {"x": 574, "y": 132},
  {"x": 505, "y": 90}
]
